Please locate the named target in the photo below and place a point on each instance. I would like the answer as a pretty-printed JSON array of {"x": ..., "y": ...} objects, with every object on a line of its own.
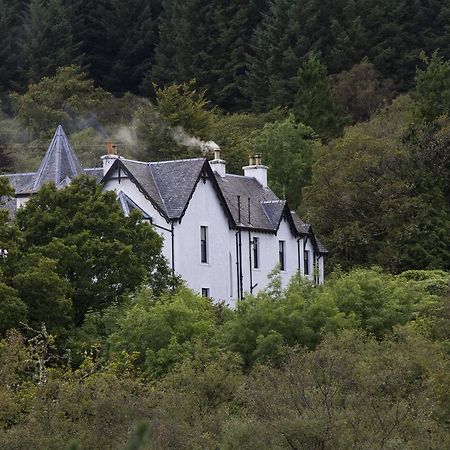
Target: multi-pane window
[
  {"x": 204, "y": 244},
  {"x": 205, "y": 292},
  {"x": 256, "y": 253},
  {"x": 306, "y": 262},
  {"x": 282, "y": 254}
]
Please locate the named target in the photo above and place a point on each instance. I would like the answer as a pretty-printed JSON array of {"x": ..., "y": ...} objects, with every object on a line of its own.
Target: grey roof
[
  {"x": 169, "y": 184},
  {"x": 265, "y": 217},
  {"x": 301, "y": 227},
  {"x": 320, "y": 246},
  {"x": 60, "y": 164}
]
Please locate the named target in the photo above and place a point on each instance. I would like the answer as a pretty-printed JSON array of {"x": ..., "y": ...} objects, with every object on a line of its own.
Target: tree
[
  {"x": 9, "y": 30},
  {"x": 369, "y": 202},
  {"x": 351, "y": 392},
  {"x": 47, "y": 40},
  {"x": 273, "y": 60},
  {"x": 298, "y": 315},
  {"x": 313, "y": 104},
  {"x": 206, "y": 42},
  {"x": 45, "y": 293},
  {"x": 289, "y": 149},
  {"x": 120, "y": 42},
  {"x": 62, "y": 99},
  {"x": 175, "y": 126},
  {"x": 102, "y": 253},
  {"x": 432, "y": 93},
  {"x": 359, "y": 92},
  {"x": 162, "y": 331}
]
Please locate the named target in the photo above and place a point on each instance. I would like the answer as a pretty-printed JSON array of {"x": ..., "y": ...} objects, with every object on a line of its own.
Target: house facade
[{"x": 223, "y": 233}]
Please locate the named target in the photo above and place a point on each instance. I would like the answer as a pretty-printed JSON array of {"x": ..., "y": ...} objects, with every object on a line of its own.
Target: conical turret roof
[{"x": 60, "y": 163}]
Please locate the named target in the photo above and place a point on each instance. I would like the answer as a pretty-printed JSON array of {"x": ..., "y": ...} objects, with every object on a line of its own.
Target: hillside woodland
[{"x": 348, "y": 102}]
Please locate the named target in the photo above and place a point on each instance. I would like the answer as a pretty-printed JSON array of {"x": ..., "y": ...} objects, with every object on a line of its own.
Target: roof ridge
[{"x": 176, "y": 160}]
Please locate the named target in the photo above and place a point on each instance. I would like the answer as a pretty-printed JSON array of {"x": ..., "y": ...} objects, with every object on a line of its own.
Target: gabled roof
[
  {"x": 168, "y": 185},
  {"x": 129, "y": 205},
  {"x": 251, "y": 215},
  {"x": 60, "y": 164}
]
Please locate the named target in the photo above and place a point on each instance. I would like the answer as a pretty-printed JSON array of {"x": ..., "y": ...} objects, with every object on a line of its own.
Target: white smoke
[{"x": 182, "y": 138}]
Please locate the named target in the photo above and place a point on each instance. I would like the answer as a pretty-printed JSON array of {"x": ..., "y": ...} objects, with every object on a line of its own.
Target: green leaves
[
  {"x": 288, "y": 148},
  {"x": 99, "y": 251}
]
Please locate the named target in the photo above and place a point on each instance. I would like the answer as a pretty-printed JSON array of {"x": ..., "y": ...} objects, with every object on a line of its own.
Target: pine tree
[
  {"x": 47, "y": 41},
  {"x": 207, "y": 41},
  {"x": 9, "y": 28},
  {"x": 313, "y": 104},
  {"x": 271, "y": 75},
  {"x": 120, "y": 41}
]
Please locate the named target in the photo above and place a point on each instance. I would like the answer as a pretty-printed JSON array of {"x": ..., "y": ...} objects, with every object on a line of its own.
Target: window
[
  {"x": 204, "y": 244},
  {"x": 256, "y": 253},
  {"x": 205, "y": 292},
  {"x": 306, "y": 262},
  {"x": 282, "y": 255}
]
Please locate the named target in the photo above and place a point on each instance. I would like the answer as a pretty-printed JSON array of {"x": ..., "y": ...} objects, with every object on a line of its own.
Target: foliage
[
  {"x": 358, "y": 93},
  {"x": 62, "y": 99},
  {"x": 373, "y": 200},
  {"x": 265, "y": 323},
  {"x": 162, "y": 331},
  {"x": 378, "y": 301},
  {"x": 47, "y": 41},
  {"x": 289, "y": 149},
  {"x": 313, "y": 104},
  {"x": 102, "y": 253},
  {"x": 432, "y": 93},
  {"x": 175, "y": 125}
]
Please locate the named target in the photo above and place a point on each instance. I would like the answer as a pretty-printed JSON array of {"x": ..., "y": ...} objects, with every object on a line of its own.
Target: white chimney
[
  {"x": 110, "y": 157},
  {"x": 217, "y": 164},
  {"x": 256, "y": 170}
]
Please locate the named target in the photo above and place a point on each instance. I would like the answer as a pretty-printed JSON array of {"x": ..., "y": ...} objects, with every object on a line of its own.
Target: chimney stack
[
  {"x": 256, "y": 170},
  {"x": 217, "y": 164},
  {"x": 110, "y": 157}
]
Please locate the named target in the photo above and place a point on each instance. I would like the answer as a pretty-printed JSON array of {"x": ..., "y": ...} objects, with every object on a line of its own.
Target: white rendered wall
[
  {"x": 219, "y": 274},
  {"x": 204, "y": 210}
]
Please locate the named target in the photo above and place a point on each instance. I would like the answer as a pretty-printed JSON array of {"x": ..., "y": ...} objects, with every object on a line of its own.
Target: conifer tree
[
  {"x": 47, "y": 41},
  {"x": 120, "y": 42},
  {"x": 313, "y": 103},
  {"x": 9, "y": 28}
]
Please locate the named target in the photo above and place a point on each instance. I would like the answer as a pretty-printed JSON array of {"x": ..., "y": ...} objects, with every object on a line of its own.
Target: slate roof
[
  {"x": 168, "y": 184},
  {"x": 60, "y": 164}
]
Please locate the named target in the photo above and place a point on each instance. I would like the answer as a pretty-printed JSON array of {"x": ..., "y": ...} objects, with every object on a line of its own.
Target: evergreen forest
[{"x": 348, "y": 102}]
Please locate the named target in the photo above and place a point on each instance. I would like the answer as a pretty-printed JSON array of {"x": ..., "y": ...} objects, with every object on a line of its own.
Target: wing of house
[{"x": 223, "y": 233}]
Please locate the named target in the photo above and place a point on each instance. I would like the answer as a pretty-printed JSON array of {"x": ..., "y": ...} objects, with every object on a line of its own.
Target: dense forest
[{"x": 348, "y": 102}]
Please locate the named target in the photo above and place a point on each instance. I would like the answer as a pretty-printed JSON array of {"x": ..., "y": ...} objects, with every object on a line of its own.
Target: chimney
[
  {"x": 110, "y": 157},
  {"x": 256, "y": 170},
  {"x": 217, "y": 164}
]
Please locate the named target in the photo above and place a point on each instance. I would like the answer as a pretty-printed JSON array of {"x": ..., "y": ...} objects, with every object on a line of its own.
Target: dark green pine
[{"x": 47, "y": 41}]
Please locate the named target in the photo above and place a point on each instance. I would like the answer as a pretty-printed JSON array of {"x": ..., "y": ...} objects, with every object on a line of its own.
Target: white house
[{"x": 223, "y": 233}]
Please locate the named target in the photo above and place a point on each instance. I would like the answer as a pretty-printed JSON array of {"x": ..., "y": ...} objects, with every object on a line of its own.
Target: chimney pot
[
  {"x": 217, "y": 153},
  {"x": 251, "y": 161},
  {"x": 257, "y": 160}
]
